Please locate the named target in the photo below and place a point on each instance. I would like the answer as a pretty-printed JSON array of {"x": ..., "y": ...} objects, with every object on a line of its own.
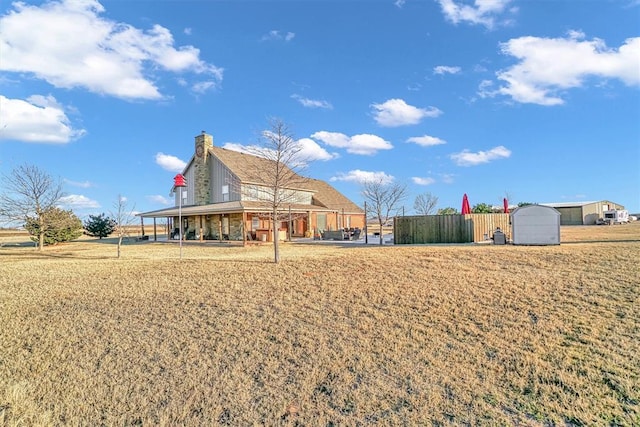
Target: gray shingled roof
[
  {"x": 242, "y": 165},
  {"x": 327, "y": 196}
]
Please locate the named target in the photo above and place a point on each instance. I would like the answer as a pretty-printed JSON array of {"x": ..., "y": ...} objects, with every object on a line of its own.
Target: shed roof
[{"x": 522, "y": 210}]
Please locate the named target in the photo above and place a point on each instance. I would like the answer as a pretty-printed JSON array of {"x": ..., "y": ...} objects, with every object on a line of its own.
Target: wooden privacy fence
[{"x": 448, "y": 228}]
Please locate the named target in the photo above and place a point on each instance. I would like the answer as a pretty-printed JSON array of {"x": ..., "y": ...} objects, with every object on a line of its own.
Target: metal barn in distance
[{"x": 582, "y": 213}]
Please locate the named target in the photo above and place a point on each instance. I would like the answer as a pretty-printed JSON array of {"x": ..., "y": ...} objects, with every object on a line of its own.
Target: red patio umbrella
[
  {"x": 505, "y": 203},
  {"x": 466, "y": 209}
]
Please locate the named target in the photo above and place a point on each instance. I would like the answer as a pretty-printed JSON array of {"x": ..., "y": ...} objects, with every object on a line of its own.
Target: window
[
  {"x": 255, "y": 223},
  {"x": 225, "y": 193}
]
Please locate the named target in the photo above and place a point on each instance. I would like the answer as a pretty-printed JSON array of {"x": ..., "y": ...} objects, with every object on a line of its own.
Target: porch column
[
  {"x": 201, "y": 236},
  {"x": 244, "y": 228},
  {"x": 155, "y": 232}
]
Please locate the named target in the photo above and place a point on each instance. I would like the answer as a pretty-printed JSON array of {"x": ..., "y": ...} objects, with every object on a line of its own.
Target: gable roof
[
  {"x": 327, "y": 196},
  {"x": 241, "y": 165}
]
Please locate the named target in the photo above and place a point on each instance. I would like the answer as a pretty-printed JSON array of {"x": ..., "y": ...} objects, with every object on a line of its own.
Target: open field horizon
[{"x": 333, "y": 335}]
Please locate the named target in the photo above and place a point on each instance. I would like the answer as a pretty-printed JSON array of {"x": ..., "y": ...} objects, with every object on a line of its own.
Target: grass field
[{"x": 335, "y": 335}]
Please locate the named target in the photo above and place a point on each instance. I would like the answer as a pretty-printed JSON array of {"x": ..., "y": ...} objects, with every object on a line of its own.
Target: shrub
[
  {"x": 99, "y": 226},
  {"x": 57, "y": 225}
]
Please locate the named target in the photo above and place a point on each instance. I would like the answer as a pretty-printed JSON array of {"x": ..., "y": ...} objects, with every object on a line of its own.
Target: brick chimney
[{"x": 202, "y": 175}]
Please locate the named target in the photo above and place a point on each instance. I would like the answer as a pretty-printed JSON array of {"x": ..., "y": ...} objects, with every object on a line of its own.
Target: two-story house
[{"x": 223, "y": 200}]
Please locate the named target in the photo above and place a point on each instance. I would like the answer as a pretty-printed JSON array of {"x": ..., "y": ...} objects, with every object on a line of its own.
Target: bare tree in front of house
[
  {"x": 383, "y": 200},
  {"x": 277, "y": 178},
  {"x": 123, "y": 217},
  {"x": 29, "y": 192},
  {"x": 425, "y": 204}
]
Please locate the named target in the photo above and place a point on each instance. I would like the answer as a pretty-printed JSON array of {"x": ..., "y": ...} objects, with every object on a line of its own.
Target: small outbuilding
[{"x": 535, "y": 225}]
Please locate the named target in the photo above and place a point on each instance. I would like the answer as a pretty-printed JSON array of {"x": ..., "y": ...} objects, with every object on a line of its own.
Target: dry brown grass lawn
[{"x": 334, "y": 335}]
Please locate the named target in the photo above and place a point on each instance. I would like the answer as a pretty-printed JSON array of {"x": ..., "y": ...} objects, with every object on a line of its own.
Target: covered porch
[{"x": 242, "y": 221}]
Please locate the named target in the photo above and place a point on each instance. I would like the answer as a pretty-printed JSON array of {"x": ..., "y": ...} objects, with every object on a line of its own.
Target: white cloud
[
  {"x": 396, "y": 112},
  {"x": 447, "y": 178},
  {"x": 160, "y": 200},
  {"x": 360, "y": 177},
  {"x": 547, "y": 66},
  {"x": 312, "y": 103},
  {"x": 423, "y": 181},
  {"x": 467, "y": 158},
  {"x": 84, "y": 184},
  {"x": 276, "y": 35},
  {"x": 170, "y": 163},
  {"x": 482, "y": 12},
  {"x": 426, "y": 140},
  {"x": 364, "y": 144},
  {"x": 399, "y": 3},
  {"x": 39, "y": 119},
  {"x": 202, "y": 87},
  {"x": 77, "y": 201},
  {"x": 241, "y": 148},
  {"x": 444, "y": 69},
  {"x": 108, "y": 58},
  {"x": 309, "y": 151}
]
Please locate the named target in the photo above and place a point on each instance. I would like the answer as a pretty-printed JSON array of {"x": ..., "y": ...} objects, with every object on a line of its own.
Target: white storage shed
[{"x": 535, "y": 225}]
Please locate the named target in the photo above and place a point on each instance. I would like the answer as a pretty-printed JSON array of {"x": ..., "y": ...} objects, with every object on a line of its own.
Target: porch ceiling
[{"x": 229, "y": 207}]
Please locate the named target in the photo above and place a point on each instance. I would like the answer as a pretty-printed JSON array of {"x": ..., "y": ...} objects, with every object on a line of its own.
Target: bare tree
[
  {"x": 382, "y": 200},
  {"x": 276, "y": 175},
  {"x": 425, "y": 204},
  {"x": 124, "y": 218},
  {"x": 30, "y": 192}
]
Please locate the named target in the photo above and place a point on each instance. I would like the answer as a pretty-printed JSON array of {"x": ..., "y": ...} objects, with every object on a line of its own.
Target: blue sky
[{"x": 535, "y": 100}]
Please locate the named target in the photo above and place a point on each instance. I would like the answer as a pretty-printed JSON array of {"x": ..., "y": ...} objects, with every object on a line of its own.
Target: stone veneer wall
[{"x": 202, "y": 176}]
